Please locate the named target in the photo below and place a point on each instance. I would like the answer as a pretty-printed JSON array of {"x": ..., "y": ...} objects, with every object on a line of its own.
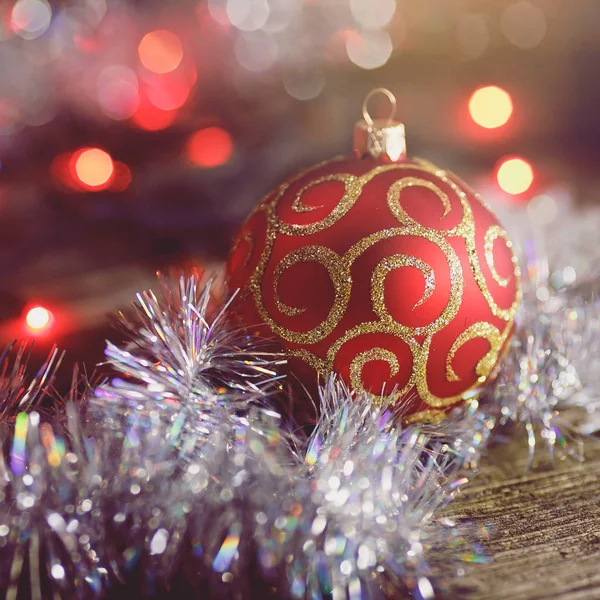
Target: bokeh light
[
  {"x": 369, "y": 49},
  {"x": 169, "y": 94},
  {"x": 217, "y": 9},
  {"x": 304, "y": 86},
  {"x": 472, "y": 35},
  {"x": 38, "y": 319},
  {"x": 248, "y": 15},
  {"x": 30, "y": 19},
  {"x": 63, "y": 171},
  {"x": 93, "y": 167},
  {"x": 10, "y": 114},
  {"x": 210, "y": 147},
  {"x": 160, "y": 51},
  {"x": 95, "y": 11},
  {"x": 152, "y": 118},
  {"x": 256, "y": 52},
  {"x": 121, "y": 179},
  {"x": 118, "y": 92},
  {"x": 523, "y": 24},
  {"x": 281, "y": 16},
  {"x": 490, "y": 107},
  {"x": 543, "y": 209},
  {"x": 514, "y": 175},
  {"x": 370, "y": 14}
]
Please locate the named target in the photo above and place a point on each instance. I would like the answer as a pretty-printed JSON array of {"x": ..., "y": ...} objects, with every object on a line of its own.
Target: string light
[
  {"x": 210, "y": 147},
  {"x": 38, "y": 319},
  {"x": 514, "y": 175},
  {"x": 490, "y": 107}
]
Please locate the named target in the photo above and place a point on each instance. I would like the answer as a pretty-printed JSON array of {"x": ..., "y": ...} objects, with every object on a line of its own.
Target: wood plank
[{"x": 544, "y": 528}]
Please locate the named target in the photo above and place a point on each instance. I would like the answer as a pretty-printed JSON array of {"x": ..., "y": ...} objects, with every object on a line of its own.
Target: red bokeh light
[
  {"x": 90, "y": 169},
  {"x": 210, "y": 147},
  {"x": 169, "y": 93},
  {"x": 122, "y": 177},
  {"x": 151, "y": 118},
  {"x": 62, "y": 169}
]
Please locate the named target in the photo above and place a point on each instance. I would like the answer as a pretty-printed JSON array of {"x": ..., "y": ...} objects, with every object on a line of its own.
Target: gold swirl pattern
[
  {"x": 377, "y": 293},
  {"x": 356, "y": 366},
  {"x": 249, "y": 239},
  {"x": 319, "y": 365},
  {"x": 433, "y": 416},
  {"x": 406, "y": 182},
  {"x": 341, "y": 283},
  {"x": 491, "y": 235},
  {"x": 319, "y": 349},
  {"x": 353, "y": 188},
  {"x": 486, "y": 364},
  {"x": 396, "y": 262}
]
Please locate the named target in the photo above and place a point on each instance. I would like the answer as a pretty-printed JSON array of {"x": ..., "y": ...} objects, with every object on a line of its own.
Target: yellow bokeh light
[
  {"x": 515, "y": 175},
  {"x": 94, "y": 167},
  {"x": 490, "y": 107},
  {"x": 160, "y": 51},
  {"x": 38, "y": 318}
]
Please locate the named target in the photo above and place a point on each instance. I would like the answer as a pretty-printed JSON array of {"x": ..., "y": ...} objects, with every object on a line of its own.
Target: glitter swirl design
[{"x": 335, "y": 340}]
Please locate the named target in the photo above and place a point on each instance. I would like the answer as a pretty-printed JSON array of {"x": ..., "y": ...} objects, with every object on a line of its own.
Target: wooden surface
[{"x": 544, "y": 527}]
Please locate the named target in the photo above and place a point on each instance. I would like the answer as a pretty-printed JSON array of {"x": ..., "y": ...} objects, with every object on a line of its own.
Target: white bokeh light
[
  {"x": 30, "y": 18},
  {"x": 248, "y": 15},
  {"x": 372, "y": 14},
  {"x": 370, "y": 49},
  {"x": 543, "y": 209},
  {"x": 95, "y": 10},
  {"x": 159, "y": 541},
  {"x": 38, "y": 111},
  {"x": 472, "y": 35},
  {"x": 304, "y": 86},
  {"x": 523, "y": 24},
  {"x": 218, "y": 11},
  {"x": 118, "y": 92},
  {"x": 256, "y": 52},
  {"x": 281, "y": 15},
  {"x": 57, "y": 571}
]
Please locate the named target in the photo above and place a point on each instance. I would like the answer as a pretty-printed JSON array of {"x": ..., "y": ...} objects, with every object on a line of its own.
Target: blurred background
[{"x": 136, "y": 135}]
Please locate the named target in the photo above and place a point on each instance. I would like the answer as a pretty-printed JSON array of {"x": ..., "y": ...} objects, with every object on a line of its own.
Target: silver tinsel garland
[
  {"x": 16, "y": 393},
  {"x": 178, "y": 478}
]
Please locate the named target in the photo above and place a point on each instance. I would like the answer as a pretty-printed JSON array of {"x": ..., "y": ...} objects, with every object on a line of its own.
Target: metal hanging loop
[
  {"x": 365, "y": 106},
  {"x": 382, "y": 139}
]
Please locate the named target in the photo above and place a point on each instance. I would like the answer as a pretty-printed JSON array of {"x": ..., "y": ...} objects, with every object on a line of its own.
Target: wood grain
[{"x": 544, "y": 538}]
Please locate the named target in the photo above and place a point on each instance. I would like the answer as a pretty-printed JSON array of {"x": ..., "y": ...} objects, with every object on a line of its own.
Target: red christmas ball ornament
[{"x": 386, "y": 270}]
